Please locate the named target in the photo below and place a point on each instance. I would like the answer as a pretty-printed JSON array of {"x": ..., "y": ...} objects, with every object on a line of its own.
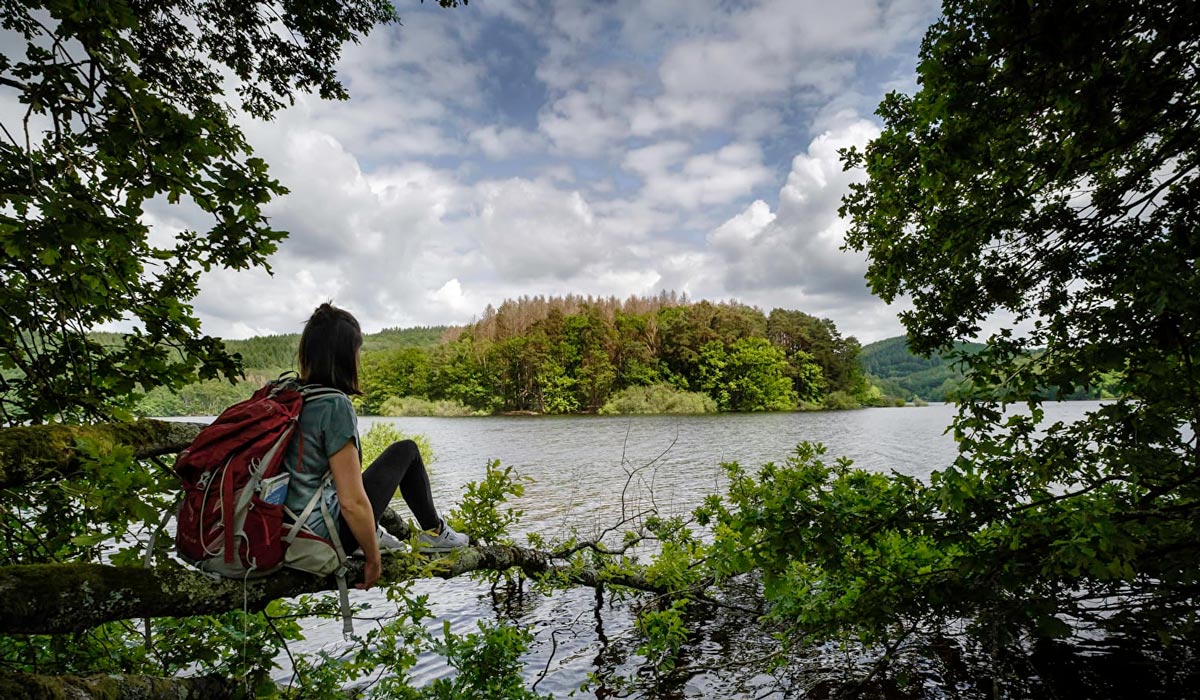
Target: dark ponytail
[{"x": 329, "y": 347}]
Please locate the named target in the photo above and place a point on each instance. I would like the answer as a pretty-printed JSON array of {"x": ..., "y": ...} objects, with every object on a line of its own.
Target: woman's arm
[{"x": 356, "y": 508}]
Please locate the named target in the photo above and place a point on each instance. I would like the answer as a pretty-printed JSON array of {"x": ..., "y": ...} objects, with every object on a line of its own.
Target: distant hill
[
  {"x": 263, "y": 358},
  {"x": 279, "y": 351},
  {"x": 899, "y": 372},
  {"x": 393, "y": 338},
  {"x": 892, "y": 367}
]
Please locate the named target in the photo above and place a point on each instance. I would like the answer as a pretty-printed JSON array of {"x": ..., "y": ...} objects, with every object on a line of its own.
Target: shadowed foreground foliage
[{"x": 1046, "y": 169}]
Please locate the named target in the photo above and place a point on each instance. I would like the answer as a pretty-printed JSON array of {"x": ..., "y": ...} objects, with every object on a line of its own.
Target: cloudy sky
[{"x": 518, "y": 147}]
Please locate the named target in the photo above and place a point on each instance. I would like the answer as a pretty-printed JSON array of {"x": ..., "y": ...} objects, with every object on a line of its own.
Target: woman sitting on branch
[{"x": 328, "y": 356}]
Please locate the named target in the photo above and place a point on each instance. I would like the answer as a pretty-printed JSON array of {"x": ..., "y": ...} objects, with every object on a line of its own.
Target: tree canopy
[
  {"x": 572, "y": 354},
  {"x": 1042, "y": 177},
  {"x": 125, "y": 103}
]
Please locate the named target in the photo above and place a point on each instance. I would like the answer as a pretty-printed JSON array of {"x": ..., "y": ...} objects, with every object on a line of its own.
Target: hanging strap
[
  {"x": 227, "y": 510},
  {"x": 298, "y": 522},
  {"x": 340, "y": 574},
  {"x": 148, "y": 559},
  {"x": 311, "y": 392}
]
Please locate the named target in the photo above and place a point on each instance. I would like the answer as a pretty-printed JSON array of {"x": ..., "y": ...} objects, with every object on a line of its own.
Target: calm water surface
[{"x": 579, "y": 466}]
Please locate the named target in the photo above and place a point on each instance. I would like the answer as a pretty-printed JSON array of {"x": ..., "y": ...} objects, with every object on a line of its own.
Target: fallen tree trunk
[
  {"x": 35, "y": 453},
  {"x": 28, "y": 686},
  {"x": 72, "y": 597}
]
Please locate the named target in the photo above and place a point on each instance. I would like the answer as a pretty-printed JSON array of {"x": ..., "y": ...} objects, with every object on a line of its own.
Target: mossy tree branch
[
  {"x": 38, "y": 452},
  {"x": 28, "y": 686},
  {"x": 76, "y": 596},
  {"x": 58, "y": 598}
]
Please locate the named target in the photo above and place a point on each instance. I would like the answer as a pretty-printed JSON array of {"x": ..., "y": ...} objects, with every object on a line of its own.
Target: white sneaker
[
  {"x": 443, "y": 541},
  {"x": 387, "y": 542}
]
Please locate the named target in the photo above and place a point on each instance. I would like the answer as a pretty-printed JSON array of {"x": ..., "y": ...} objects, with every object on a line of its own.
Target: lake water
[{"x": 579, "y": 465}]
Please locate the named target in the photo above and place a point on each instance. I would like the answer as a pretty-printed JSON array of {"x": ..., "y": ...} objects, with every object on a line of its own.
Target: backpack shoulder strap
[{"x": 315, "y": 391}]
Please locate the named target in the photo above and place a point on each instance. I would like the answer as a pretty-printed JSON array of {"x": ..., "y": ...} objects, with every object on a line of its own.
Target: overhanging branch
[
  {"x": 72, "y": 597},
  {"x": 57, "y": 598}
]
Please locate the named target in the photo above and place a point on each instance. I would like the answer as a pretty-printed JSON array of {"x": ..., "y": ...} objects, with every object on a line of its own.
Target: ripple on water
[{"x": 580, "y": 466}]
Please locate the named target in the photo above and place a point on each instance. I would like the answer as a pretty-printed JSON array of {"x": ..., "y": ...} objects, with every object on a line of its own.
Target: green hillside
[
  {"x": 396, "y": 338},
  {"x": 264, "y": 358},
  {"x": 899, "y": 372},
  {"x": 272, "y": 352}
]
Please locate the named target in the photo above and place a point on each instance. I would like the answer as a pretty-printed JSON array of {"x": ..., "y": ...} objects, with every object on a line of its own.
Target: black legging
[{"x": 399, "y": 466}]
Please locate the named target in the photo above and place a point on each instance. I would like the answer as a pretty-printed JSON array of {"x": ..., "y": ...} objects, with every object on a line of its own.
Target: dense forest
[
  {"x": 263, "y": 358},
  {"x": 899, "y": 372},
  {"x": 580, "y": 354}
]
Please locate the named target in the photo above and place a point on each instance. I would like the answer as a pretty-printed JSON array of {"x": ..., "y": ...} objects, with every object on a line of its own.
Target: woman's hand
[{"x": 370, "y": 574}]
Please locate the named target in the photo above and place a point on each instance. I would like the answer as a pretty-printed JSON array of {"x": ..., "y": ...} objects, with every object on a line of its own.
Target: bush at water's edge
[
  {"x": 398, "y": 406},
  {"x": 658, "y": 398}
]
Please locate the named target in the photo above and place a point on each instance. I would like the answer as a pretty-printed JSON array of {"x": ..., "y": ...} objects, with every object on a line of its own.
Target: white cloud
[
  {"x": 742, "y": 230},
  {"x": 656, "y": 158},
  {"x": 450, "y": 298},
  {"x": 678, "y": 182},
  {"x": 799, "y": 245},
  {"x": 549, "y": 148},
  {"x": 592, "y": 120},
  {"x": 792, "y": 257},
  {"x": 498, "y": 143},
  {"x": 530, "y": 230},
  {"x": 716, "y": 177},
  {"x": 775, "y": 49}
]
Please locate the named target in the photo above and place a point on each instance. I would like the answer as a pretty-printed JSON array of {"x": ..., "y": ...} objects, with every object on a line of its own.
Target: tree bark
[
  {"x": 28, "y": 686},
  {"x": 37, "y": 452},
  {"x": 72, "y": 597}
]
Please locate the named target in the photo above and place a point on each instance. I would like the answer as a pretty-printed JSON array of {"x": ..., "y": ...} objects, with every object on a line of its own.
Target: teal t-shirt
[{"x": 327, "y": 423}]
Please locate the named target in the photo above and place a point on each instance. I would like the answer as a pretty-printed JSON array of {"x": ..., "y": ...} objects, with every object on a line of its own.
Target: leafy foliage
[
  {"x": 124, "y": 104},
  {"x": 658, "y": 398},
  {"x": 488, "y": 664},
  {"x": 1046, "y": 168},
  {"x": 479, "y": 514},
  {"x": 749, "y": 376},
  {"x": 127, "y": 103},
  {"x": 382, "y": 435}
]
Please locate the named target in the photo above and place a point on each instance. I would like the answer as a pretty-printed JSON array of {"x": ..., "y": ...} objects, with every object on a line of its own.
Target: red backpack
[{"x": 231, "y": 519}]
